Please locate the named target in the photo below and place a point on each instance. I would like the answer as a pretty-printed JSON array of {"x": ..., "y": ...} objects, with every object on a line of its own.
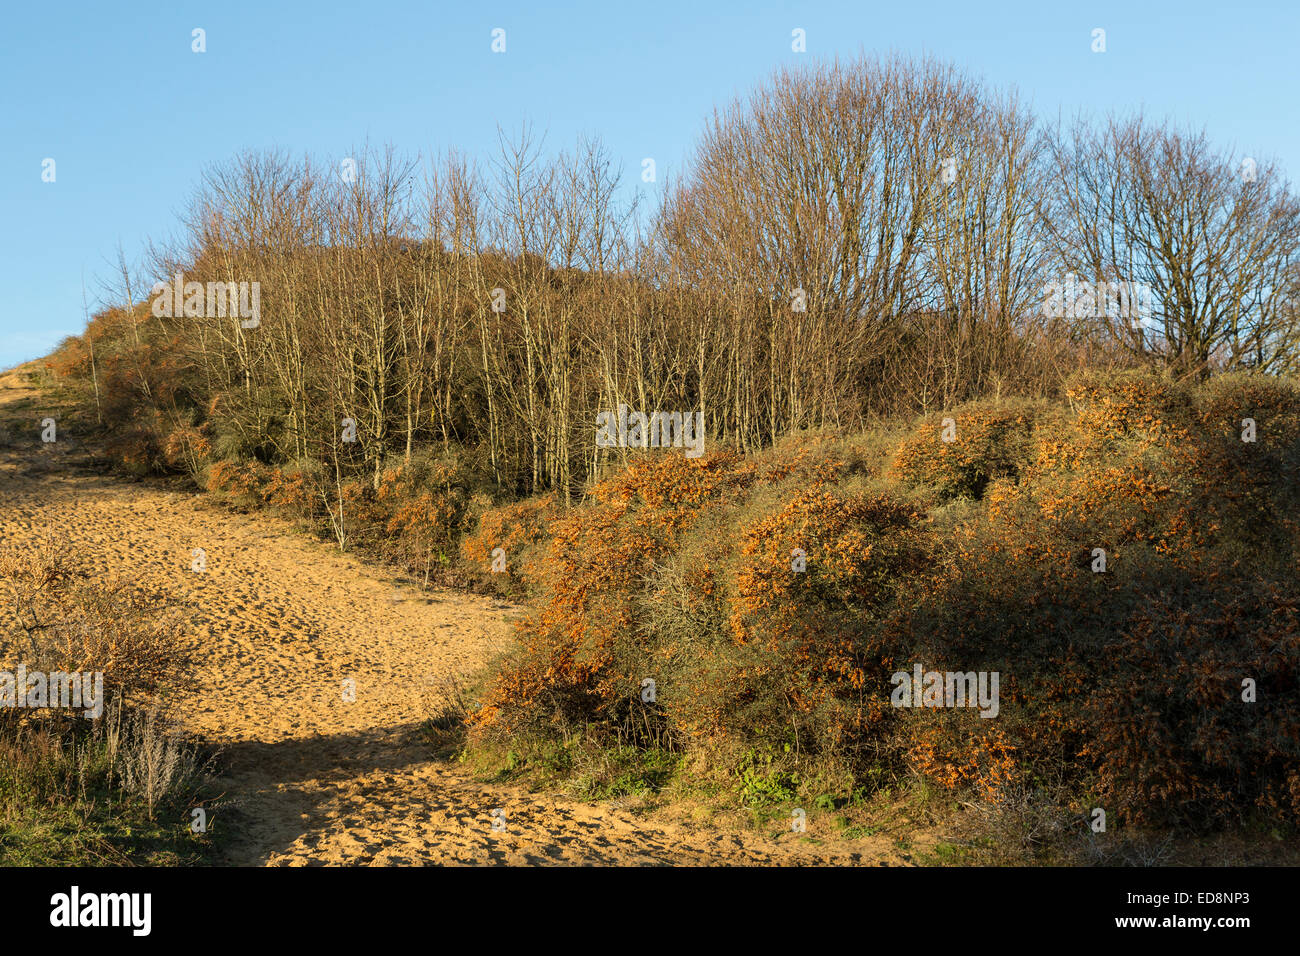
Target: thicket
[{"x": 1122, "y": 680}]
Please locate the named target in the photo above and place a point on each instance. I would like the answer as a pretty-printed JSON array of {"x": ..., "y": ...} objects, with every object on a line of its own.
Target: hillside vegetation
[
  {"x": 1121, "y": 687},
  {"x": 938, "y": 432}
]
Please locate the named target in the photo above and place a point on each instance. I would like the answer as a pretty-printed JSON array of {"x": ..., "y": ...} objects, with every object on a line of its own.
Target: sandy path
[{"x": 281, "y": 622}]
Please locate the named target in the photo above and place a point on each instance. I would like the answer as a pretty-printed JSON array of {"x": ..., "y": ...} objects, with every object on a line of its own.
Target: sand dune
[{"x": 280, "y": 622}]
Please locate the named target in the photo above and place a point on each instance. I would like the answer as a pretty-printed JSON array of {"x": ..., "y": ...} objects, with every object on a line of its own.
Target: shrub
[
  {"x": 64, "y": 618},
  {"x": 519, "y": 530},
  {"x": 1122, "y": 687},
  {"x": 423, "y": 506},
  {"x": 239, "y": 483},
  {"x": 989, "y": 442},
  {"x": 82, "y": 790},
  {"x": 672, "y": 544}
]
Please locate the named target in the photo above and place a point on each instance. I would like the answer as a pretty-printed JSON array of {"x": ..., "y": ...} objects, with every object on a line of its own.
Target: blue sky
[{"x": 131, "y": 115}]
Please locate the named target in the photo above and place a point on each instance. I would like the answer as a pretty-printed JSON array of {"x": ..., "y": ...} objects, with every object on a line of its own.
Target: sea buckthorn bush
[
  {"x": 1128, "y": 561},
  {"x": 422, "y": 506},
  {"x": 518, "y": 529},
  {"x": 989, "y": 442},
  {"x": 682, "y": 572},
  {"x": 240, "y": 483}
]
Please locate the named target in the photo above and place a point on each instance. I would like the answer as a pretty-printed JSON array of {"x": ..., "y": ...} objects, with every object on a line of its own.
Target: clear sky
[{"x": 114, "y": 94}]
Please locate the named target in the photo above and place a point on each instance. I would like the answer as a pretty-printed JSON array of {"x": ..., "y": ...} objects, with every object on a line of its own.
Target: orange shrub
[
  {"x": 517, "y": 529},
  {"x": 1172, "y": 734},
  {"x": 240, "y": 483},
  {"x": 567, "y": 668},
  {"x": 1129, "y": 407},
  {"x": 186, "y": 447},
  {"x": 988, "y": 442},
  {"x": 663, "y": 550},
  {"x": 1124, "y": 686},
  {"x": 290, "y": 490}
]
